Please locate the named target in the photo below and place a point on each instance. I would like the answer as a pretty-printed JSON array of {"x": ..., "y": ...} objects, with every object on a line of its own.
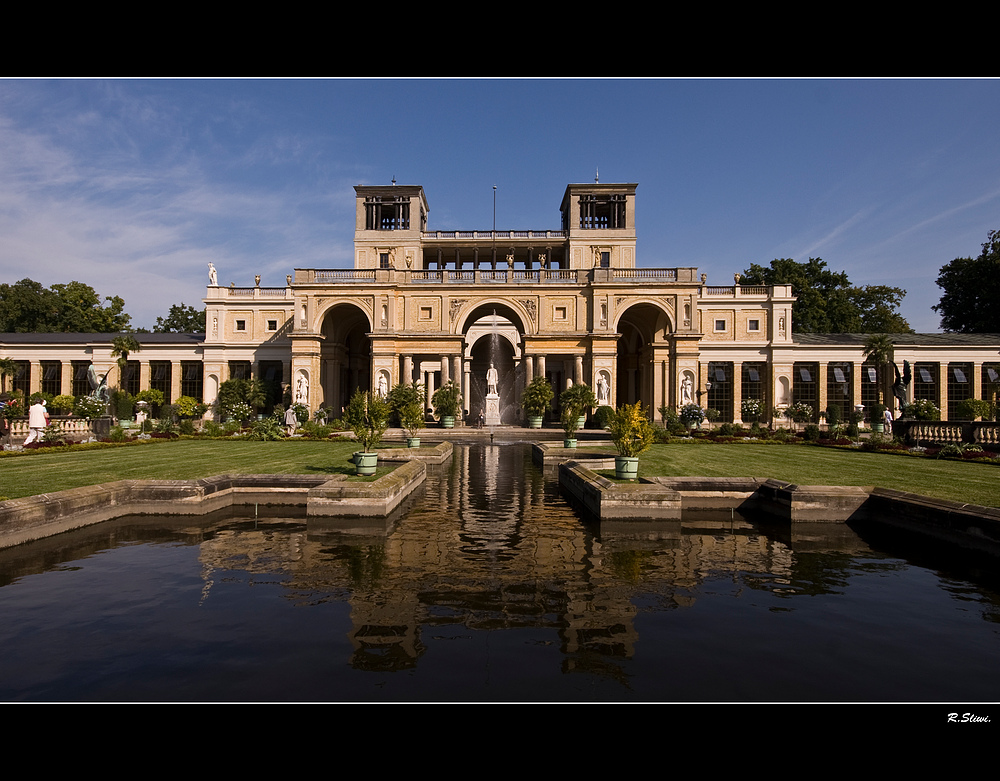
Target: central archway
[
  {"x": 493, "y": 333},
  {"x": 345, "y": 355},
  {"x": 641, "y": 327}
]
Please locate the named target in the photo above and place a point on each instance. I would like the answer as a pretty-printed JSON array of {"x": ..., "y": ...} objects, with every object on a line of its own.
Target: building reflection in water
[{"x": 493, "y": 546}]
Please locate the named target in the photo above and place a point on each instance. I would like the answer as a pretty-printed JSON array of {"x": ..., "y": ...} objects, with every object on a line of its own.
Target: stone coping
[
  {"x": 665, "y": 498},
  {"x": 322, "y": 496}
]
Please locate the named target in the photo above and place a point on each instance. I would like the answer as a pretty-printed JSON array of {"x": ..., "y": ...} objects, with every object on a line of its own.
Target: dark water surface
[{"x": 491, "y": 588}]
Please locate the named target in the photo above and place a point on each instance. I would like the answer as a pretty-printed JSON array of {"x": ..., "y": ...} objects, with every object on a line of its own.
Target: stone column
[
  {"x": 540, "y": 360},
  {"x": 444, "y": 370},
  {"x": 738, "y": 392},
  {"x": 578, "y": 370},
  {"x": 407, "y": 369}
]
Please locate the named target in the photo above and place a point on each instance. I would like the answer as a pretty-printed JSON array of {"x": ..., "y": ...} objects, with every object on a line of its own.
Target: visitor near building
[
  {"x": 291, "y": 420},
  {"x": 38, "y": 419}
]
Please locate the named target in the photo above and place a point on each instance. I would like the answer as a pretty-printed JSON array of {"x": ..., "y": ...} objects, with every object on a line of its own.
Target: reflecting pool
[{"x": 490, "y": 587}]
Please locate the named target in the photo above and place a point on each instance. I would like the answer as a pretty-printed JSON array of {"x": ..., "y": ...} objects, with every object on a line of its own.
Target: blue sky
[{"x": 133, "y": 186}]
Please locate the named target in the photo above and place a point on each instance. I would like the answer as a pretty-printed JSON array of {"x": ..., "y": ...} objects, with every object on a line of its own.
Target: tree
[
  {"x": 181, "y": 319},
  {"x": 971, "y": 291},
  {"x": 28, "y": 307},
  {"x": 826, "y": 302},
  {"x": 80, "y": 310},
  {"x": 879, "y": 348},
  {"x": 121, "y": 346}
]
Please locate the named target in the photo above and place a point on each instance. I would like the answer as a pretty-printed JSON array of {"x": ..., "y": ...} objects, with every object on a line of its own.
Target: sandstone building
[{"x": 573, "y": 304}]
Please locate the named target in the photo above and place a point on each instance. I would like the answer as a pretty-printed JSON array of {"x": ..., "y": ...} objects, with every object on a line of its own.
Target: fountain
[{"x": 493, "y": 379}]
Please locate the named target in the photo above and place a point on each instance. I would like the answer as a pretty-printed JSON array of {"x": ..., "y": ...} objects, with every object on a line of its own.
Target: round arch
[
  {"x": 642, "y": 325},
  {"x": 345, "y": 353},
  {"x": 500, "y": 348}
]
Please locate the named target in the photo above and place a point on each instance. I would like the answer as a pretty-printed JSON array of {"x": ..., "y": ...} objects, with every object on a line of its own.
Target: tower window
[
  {"x": 387, "y": 214},
  {"x": 602, "y": 211}
]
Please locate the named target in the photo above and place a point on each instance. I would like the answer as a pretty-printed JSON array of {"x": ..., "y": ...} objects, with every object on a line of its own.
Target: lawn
[
  {"x": 805, "y": 465},
  {"x": 45, "y": 472}
]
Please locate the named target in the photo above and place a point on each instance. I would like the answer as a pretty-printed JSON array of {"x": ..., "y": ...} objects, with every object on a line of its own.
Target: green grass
[
  {"x": 804, "y": 465},
  {"x": 44, "y": 472}
]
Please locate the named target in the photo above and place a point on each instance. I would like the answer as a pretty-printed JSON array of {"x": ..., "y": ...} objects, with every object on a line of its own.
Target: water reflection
[{"x": 490, "y": 587}]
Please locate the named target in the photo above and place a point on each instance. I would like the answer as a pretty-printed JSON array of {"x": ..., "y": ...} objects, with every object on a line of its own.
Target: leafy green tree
[
  {"x": 28, "y": 307},
  {"x": 971, "y": 291},
  {"x": 181, "y": 319},
  {"x": 826, "y": 302},
  {"x": 81, "y": 310}
]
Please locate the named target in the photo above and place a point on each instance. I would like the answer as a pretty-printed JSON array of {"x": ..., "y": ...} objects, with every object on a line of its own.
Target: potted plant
[
  {"x": 368, "y": 416},
  {"x": 536, "y": 400},
  {"x": 447, "y": 401},
  {"x": 402, "y": 394},
  {"x": 575, "y": 401},
  {"x": 692, "y": 415},
  {"x": 631, "y": 434},
  {"x": 411, "y": 415}
]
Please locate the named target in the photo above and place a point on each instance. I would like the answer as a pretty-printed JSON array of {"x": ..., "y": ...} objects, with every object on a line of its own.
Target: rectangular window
[
  {"x": 752, "y": 386},
  {"x": 239, "y": 370},
  {"x": 130, "y": 381},
  {"x": 805, "y": 389},
  {"x": 271, "y": 373},
  {"x": 720, "y": 394},
  {"x": 753, "y": 325},
  {"x": 720, "y": 325},
  {"x": 383, "y": 260},
  {"x": 869, "y": 386},
  {"x": 991, "y": 384},
  {"x": 192, "y": 382},
  {"x": 925, "y": 383},
  {"x": 560, "y": 313},
  {"x": 81, "y": 381},
  {"x": 160, "y": 378},
  {"x": 241, "y": 325},
  {"x": 959, "y": 386},
  {"x": 52, "y": 377},
  {"x": 22, "y": 377},
  {"x": 272, "y": 325},
  {"x": 839, "y": 390},
  {"x": 605, "y": 260}
]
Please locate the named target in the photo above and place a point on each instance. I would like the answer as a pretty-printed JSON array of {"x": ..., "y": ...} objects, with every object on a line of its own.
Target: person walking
[
  {"x": 38, "y": 419},
  {"x": 291, "y": 421}
]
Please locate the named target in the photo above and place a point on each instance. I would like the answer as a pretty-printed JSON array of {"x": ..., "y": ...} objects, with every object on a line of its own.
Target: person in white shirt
[{"x": 38, "y": 419}]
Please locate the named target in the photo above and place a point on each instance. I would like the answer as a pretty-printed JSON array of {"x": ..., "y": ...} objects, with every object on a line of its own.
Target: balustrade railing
[{"x": 920, "y": 432}]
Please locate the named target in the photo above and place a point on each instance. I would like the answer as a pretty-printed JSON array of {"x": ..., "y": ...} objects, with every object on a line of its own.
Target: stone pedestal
[{"x": 492, "y": 409}]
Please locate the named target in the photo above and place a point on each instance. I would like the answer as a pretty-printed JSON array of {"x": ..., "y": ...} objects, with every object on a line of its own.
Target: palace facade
[{"x": 571, "y": 304}]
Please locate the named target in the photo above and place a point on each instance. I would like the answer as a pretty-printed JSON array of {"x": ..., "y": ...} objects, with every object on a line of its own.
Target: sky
[{"x": 134, "y": 185}]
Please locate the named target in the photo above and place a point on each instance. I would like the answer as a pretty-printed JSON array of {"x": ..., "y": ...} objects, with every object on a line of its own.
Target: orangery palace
[{"x": 574, "y": 304}]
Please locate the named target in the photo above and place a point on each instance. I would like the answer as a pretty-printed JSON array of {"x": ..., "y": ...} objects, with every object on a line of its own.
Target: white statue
[
  {"x": 383, "y": 385},
  {"x": 602, "y": 389},
  {"x": 492, "y": 380},
  {"x": 302, "y": 390},
  {"x": 687, "y": 386},
  {"x": 213, "y": 277}
]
